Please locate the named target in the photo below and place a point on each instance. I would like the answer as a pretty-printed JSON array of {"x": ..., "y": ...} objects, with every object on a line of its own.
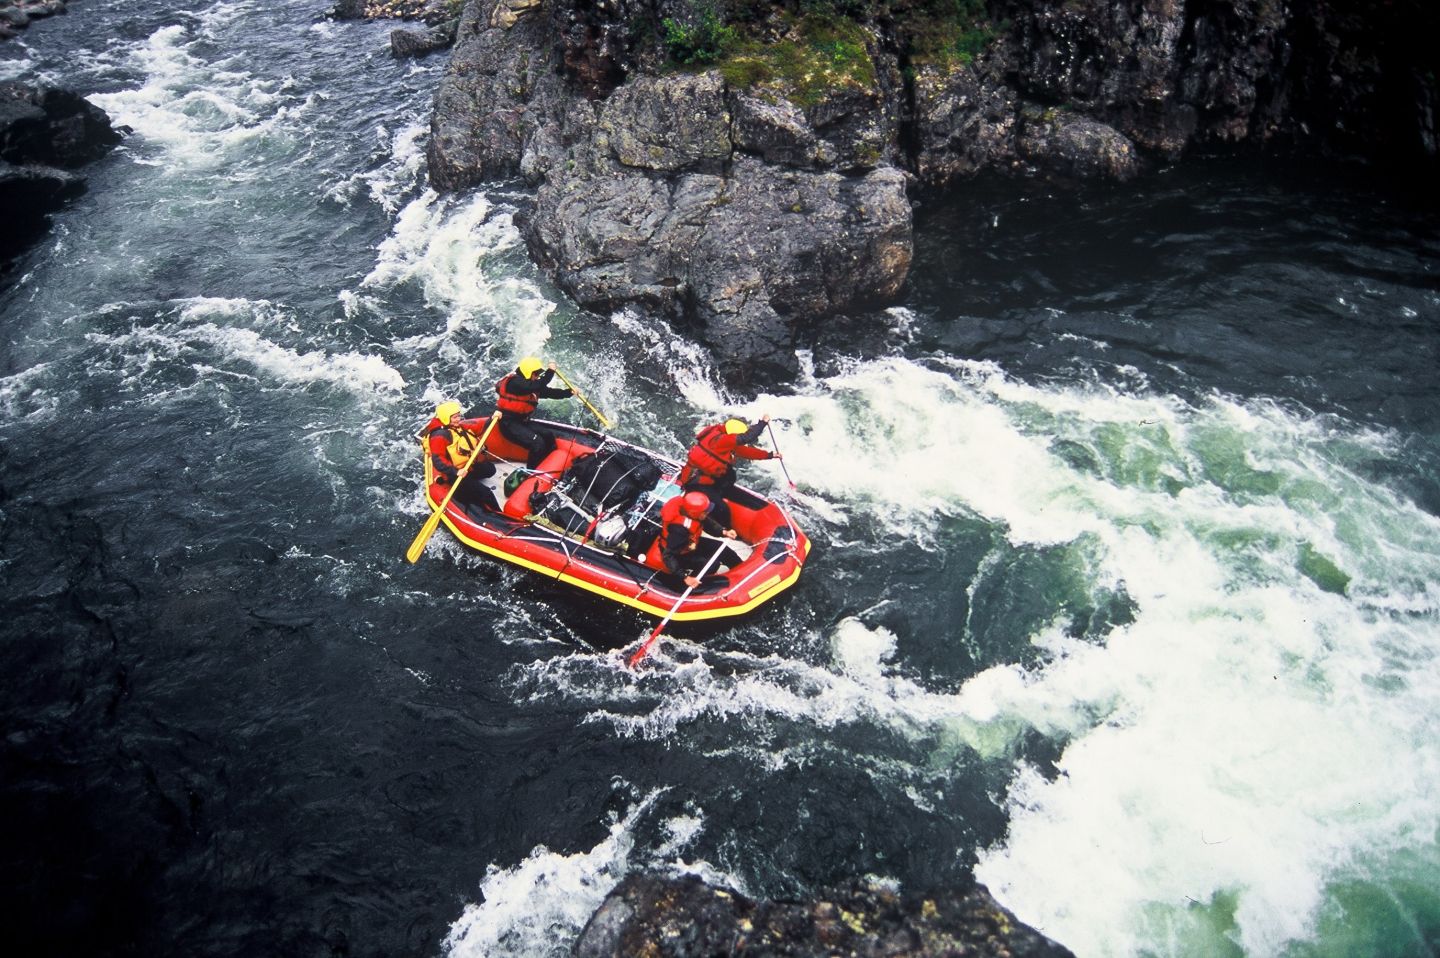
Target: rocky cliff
[
  {"x": 683, "y": 917},
  {"x": 745, "y": 168}
]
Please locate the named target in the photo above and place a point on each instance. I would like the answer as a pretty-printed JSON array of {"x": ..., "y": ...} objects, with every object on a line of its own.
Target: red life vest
[
  {"x": 712, "y": 454},
  {"x": 512, "y": 403},
  {"x": 672, "y": 514}
]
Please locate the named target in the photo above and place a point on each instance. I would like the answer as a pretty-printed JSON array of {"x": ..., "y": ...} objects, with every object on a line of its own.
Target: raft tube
[{"x": 560, "y": 543}]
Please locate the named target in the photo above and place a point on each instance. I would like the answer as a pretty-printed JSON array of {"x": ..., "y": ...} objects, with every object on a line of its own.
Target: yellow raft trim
[{"x": 695, "y": 615}]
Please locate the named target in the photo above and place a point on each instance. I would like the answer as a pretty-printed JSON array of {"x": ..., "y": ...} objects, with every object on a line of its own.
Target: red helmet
[{"x": 695, "y": 505}]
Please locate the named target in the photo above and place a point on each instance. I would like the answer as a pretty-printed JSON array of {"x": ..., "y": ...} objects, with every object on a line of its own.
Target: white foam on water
[
  {"x": 905, "y": 442},
  {"x": 15, "y": 69},
  {"x": 1265, "y": 719},
  {"x": 860, "y": 651},
  {"x": 357, "y": 372},
  {"x": 1253, "y": 731},
  {"x": 441, "y": 244},
  {"x": 686, "y": 361},
  {"x": 1261, "y": 733},
  {"x": 139, "y": 350},
  {"x": 197, "y": 309},
  {"x": 197, "y": 116},
  {"x": 756, "y": 692},
  {"x": 24, "y": 394},
  {"x": 400, "y": 173},
  {"x": 539, "y": 906}
]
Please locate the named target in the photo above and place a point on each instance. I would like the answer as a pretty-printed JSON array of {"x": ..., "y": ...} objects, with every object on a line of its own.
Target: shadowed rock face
[
  {"x": 658, "y": 916},
  {"x": 45, "y": 133},
  {"x": 748, "y": 210}
]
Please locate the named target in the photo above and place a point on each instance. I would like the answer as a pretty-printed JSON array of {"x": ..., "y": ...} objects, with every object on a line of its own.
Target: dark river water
[{"x": 1124, "y": 593}]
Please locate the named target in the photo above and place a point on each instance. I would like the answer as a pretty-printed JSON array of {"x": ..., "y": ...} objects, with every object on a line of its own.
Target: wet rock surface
[
  {"x": 674, "y": 917},
  {"x": 430, "y": 11},
  {"x": 45, "y": 134},
  {"x": 749, "y": 207},
  {"x": 16, "y": 15}
]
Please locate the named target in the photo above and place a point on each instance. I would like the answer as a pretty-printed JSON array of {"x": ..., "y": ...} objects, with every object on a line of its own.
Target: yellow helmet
[
  {"x": 529, "y": 366},
  {"x": 446, "y": 409},
  {"x": 735, "y": 427}
]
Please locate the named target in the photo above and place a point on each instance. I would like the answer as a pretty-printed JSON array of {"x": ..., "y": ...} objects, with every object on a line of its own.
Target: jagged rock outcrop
[
  {"x": 684, "y": 917},
  {"x": 735, "y": 213},
  {"x": 748, "y": 203},
  {"x": 45, "y": 133}
]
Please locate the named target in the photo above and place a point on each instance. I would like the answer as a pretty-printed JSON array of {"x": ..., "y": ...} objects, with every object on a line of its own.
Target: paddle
[
  {"x": 433, "y": 523},
  {"x": 777, "y": 452},
  {"x": 644, "y": 649},
  {"x": 604, "y": 421}
]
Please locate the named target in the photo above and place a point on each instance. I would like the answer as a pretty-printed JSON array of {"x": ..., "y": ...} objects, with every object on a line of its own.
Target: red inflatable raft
[{"x": 588, "y": 516}]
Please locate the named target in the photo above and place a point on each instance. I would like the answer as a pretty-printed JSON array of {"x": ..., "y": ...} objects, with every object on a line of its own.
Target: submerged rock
[{"x": 682, "y": 917}]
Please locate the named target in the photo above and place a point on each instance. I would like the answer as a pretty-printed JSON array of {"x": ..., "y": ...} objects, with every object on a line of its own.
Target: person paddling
[
  {"x": 710, "y": 465},
  {"x": 682, "y": 519},
  {"x": 519, "y": 394},
  {"x": 450, "y": 441}
]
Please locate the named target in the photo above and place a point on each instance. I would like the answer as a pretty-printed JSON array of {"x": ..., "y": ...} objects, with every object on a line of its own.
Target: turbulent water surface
[{"x": 1124, "y": 593}]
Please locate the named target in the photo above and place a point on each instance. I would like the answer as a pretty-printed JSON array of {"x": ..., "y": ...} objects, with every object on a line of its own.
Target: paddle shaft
[
  {"x": 644, "y": 649},
  {"x": 581, "y": 396},
  {"x": 426, "y": 531},
  {"x": 777, "y": 452}
]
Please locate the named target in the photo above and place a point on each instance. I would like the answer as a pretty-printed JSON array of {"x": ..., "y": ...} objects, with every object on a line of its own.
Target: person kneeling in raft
[{"x": 676, "y": 551}]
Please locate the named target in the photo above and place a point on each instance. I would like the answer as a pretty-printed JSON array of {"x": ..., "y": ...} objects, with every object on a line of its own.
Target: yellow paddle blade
[{"x": 426, "y": 531}]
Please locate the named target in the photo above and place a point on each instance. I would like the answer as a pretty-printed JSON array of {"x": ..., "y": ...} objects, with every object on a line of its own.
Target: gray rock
[
  {"x": 684, "y": 917},
  {"x": 966, "y": 119},
  {"x": 1074, "y": 146},
  {"x": 668, "y": 124},
  {"x": 16, "y": 15},
  {"x": 416, "y": 43},
  {"x": 501, "y": 89},
  {"x": 738, "y": 257},
  {"x": 774, "y": 129},
  {"x": 50, "y": 126},
  {"x": 44, "y": 134},
  {"x": 737, "y": 217}
]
